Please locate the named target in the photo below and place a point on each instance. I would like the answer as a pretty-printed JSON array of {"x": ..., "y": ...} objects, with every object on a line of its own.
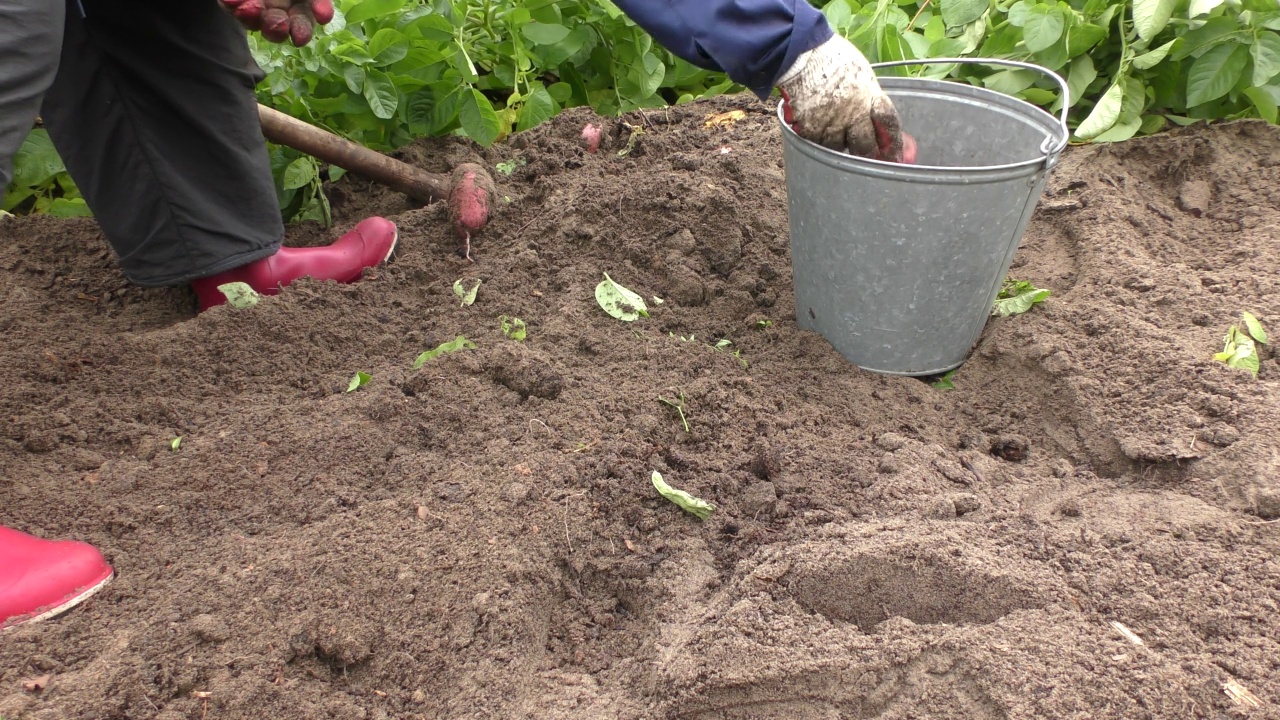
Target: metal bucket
[{"x": 898, "y": 266}]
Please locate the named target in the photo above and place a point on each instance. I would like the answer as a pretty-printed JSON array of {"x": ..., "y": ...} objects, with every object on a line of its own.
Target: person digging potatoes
[{"x": 151, "y": 106}]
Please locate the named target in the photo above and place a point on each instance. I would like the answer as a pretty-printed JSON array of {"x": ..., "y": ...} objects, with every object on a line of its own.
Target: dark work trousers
[{"x": 153, "y": 112}]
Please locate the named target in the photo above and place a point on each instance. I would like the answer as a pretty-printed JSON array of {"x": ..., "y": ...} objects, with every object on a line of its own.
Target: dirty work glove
[
  {"x": 280, "y": 20},
  {"x": 831, "y": 97}
]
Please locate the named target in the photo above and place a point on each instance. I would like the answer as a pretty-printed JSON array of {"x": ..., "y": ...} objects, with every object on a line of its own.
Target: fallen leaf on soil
[
  {"x": 1240, "y": 694},
  {"x": 1128, "y": 634},
  {"x": 37, "y": 684},
  {"x": 724, "y": 118},
  {"x": 687, "y": 502}
]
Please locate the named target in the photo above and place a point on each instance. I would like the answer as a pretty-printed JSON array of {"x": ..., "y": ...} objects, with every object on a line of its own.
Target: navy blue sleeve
[{"x": 752, "y": 41}]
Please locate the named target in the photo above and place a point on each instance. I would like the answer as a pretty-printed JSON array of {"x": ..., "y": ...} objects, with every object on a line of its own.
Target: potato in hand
[{"x": 281, "y": 20}]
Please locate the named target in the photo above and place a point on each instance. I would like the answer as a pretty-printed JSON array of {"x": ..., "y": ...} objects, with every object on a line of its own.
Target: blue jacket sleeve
[{"x": 752, "y": 41}]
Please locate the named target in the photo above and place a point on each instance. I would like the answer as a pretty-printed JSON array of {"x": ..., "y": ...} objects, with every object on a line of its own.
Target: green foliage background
[{"x": 386, "y": 71}]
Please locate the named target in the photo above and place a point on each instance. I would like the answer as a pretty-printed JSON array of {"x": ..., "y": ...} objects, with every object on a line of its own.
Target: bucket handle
[{"x": 1048, "y": 147}]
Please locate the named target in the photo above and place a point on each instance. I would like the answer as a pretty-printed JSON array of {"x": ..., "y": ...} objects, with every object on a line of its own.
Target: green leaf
[
  {"x": 454, "y": 345},
  {"x": 479, "y": 120},
  {"x": 239, "y": 295},
  {"x": 1018, "y": 12},
  {"x": 690, "y": 504},
  {"x": 299, "y": 174},
  {"x": 620, "y": 302},
  {"x": 538, "y": 107},
  {"x": 513, "y": 328},
  {"x": 388, "y": 46},
  {"x": 1017, "y": 297},
  {"x": 359, "y": 380},
  {"x": 543, "y": 33},
  {"x": 839, "y": 15},
  {"x": 944, "y": 382},
  {"x": 1255, "y": 328},
  {"x": 1152, "y": 124},
  {"x": 37, "y": 161},
  {"x": 1249, "y": 362},
  {"x": 1104, "y": 114},
  {"x": 433, "y": 28},
  {"x": 1083, "y": 38},
  {"x": 1151, "y": 16},
  {"x": 381, "y": 93},
  {"x": 1266, "y": 57},
  {"x": 69, "y": 208},
  {"x": 1124, "y": 129},
  {"x": 369, "y": 9},
  {"x": 1011, "y": 82},
  {"x": 956, "y": 13},
  {"x": 1151, "y": 58},
  {"x": 1081, "y": 74},
  {"x": 1212, "y": 32},
  {"x": 560, "y": 92},
  {"x": 467, "y": 297},
  {"x": 1043, "y": 27},
  {"x": 445, "y": 109},
  {"x": 175, "y": 443},
  {"x": 1203, "y": 7},
  {"x": 1265, "y": 104},
  {"x": 1215, "y": 73}
]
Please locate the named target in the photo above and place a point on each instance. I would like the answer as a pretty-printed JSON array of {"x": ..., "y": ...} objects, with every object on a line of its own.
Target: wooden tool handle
[{"x": 283, "y": 129}]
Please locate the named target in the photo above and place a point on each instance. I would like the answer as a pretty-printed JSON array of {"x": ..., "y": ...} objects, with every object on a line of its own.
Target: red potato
[
  {"x": 275, "y": 25},
  {"x": 322, "y": 10},
  {"x": 471, "y": 192},
  {"x": 300, "y": 29},
  {"x": 591, "y": 136},
  {"x": 250, "y": 12}
]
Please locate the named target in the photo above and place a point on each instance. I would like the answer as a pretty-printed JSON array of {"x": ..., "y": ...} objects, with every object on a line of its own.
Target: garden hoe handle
[{"x": 283, "y": 129}]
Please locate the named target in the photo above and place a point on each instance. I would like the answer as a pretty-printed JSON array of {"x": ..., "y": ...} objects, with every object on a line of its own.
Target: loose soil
[{"x": 479, "y": 538}]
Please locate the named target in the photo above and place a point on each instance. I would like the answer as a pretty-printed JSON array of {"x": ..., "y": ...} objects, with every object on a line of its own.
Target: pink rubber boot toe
[{"x": 40, "y": 579}]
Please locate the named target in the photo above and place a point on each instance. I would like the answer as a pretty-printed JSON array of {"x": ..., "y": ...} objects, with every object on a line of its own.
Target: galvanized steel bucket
[{"x": 898, "y": 266}]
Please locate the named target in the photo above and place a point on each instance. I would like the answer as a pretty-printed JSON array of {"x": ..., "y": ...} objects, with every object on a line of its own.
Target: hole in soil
[{"x": 868, "y": 590}]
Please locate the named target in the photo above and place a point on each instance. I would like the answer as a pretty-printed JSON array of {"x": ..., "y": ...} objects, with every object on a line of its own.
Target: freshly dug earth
[{"x": 479, "y": 538}]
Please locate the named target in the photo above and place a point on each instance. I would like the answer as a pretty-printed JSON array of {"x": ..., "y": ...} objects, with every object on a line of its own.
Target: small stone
[
  {"x": 1069, "y": 508},
  {"x": 965, "y": 503},
  {"x": 941, "y": 509},
  {"x": 759, "y": 500},
  {"x": 517, "y": 492},
  {"x": 209, "y": 628},
  {"x": 419, "y": 697},
  {"x": 891, "y": 441},
  {"x": 1267, "y": 504},
  {"x": 888, "y": 464},
  {"x": 765, "y": 463},
  {"x": 953, "y": 471},
  {"x": 1012, "y": 448},
  {"x": 1194, "y": 197}
]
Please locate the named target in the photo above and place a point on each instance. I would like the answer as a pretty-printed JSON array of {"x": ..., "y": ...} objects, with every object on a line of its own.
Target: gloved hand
[
  {"x": 280, "y": 20},
  {"x": 831, "y": 97}
]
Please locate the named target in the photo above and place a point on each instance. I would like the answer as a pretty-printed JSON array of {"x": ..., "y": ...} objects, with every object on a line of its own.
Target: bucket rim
[{"x": 1051, "y": 149}]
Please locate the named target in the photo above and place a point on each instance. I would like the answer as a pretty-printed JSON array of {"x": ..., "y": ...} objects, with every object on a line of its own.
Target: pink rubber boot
[
  {"x": 369, "y": 244},
  {"x": 43, "y": 578}
]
